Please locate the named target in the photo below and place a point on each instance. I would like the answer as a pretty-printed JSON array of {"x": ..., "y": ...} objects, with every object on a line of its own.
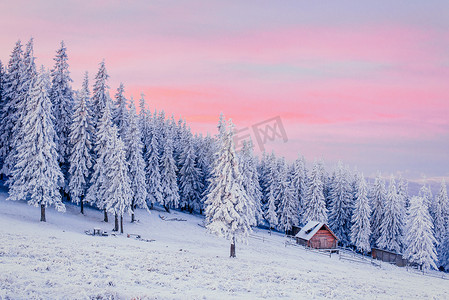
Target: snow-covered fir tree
[
  {"x": 391, "y": 228},
  {"x": 136, "y": 163},
  {"x": 143, "y": 120},
  {"x": 289, "y": 206},
  {"x": 100, "y": 96},
  {"x": 61, "y": 96},
  {"x": 120, "y": 114},
  {"x": 419, "y": 239},
  {"x": 378, "y": 197},
  {"x": 439, "y": 213},
  {"x": 190, "y": 175},
  {"x": 443, "y": 252},
  {"x": 36, "y": 175},
  {"x": 361, "y": 227},
  {"x": 227, "y": 202},
  {"x": 205, "y": 160},
  {"x": 2, "y": 104},
  {"x": 153, "y": 175},
  {"x": 103, "y": 144},
  {"x": 169, "y": 186},
  {"x": 299, "y": 179},
  {"x": 11, "y": 86},
  {"x": 403, "y": 192},
  {"x": 81, "y": 146},
  {"x": 340, "y": 195},
  {"x": 248, "y": 169},
  {"x": 27, "y": 75},
  {"x": 426, "y": 193},
  {"x": 315, "y": 207},
  {"x": 117, "y": 191}
]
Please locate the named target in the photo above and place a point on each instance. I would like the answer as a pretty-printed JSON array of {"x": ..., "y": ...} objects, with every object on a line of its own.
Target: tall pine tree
[
  {"x": 81, "y": 146},
  {"x": 136, "y": 163},
  {"x": 61, "y": 96},
  {"x": 227, "y": 202},
  {"x": 36, "y": 174},
  {"x": 361, "y": 227},
  {"x": 315, "y": 207},
  {"x": 419, "y": 239},
  {"x": 391, "y": 229}
]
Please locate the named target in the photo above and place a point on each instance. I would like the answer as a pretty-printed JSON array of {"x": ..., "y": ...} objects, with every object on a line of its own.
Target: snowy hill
[{"x": 57, "y": 260}]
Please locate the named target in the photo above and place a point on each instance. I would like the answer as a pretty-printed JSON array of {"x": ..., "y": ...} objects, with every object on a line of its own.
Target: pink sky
[{"x": 367, "y": 84}]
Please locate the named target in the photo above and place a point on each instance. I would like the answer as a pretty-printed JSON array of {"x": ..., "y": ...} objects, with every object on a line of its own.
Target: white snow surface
[{"x": 57, "y": 260}]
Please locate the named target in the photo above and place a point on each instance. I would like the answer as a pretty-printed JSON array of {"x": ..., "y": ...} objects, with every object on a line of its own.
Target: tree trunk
[
  {"x": 116, "y": 223},
  {"x": 167, "y": 208},
  {"x": 105, "y": 216},
  {"x": 43, "y": 213},
  {"x": 233, "y": 248},
  {"x": 82, "y": 205},
  {"x": 121, "y": 223},
  {"x": 132, "y": 212}
]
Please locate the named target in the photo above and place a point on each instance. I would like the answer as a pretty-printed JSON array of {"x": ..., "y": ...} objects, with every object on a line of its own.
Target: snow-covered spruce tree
[
  {"x": 270, "y": 209},
  {"x": 270, "y": 214},
  {"x": 440, "y": 213},
  {"x": 136, "y": 163},
  {"x": 190, "y": 178},
  {"x": 169, "y": 186},
  {"x": 98, "y": 181},
  {"x": 81, "y": 146},
  {"x": 61, "y": 96},
  {"x": 289, "y": 206},
  {"x": 426, "y": 193},
  {"x": 143, "y": 120},
  {"x": 205, "y": 160},
  {"x": 419, "y": 239},
  {"x": 340, "y": 205},
  {"x": 117, "y": 192},
  {"x": 378, "y": 198},
  {"x": 100, "y": 96},
  {"x": 443, "y": 252},
  {"x": 299, "y": 179},
  {"x": 403, "y": 192},
  {"x": 315, "y": 207},
  {"x": 11, "y": 86},
  {"x": 227, "y": 202},
  {"x": 2, "y": 104},
  {"x": 263, "y": 170},
  {"x": 36, "y": 175},
  {"x": 361, "y": 227},
  {"x": 248, "y": 169},
  {"x": 28, "y": 74},
  {"x": 152, "y": 170},
  {"x": 391, "y": 229},
  {"x": 120, "y": 114}
]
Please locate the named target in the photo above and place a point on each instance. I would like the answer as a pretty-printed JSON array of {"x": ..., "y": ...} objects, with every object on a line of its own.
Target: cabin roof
[{"x": 311, "y": 228}]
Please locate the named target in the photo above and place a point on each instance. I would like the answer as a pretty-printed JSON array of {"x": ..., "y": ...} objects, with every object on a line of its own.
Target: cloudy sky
[{"x": 365, "y": 84}]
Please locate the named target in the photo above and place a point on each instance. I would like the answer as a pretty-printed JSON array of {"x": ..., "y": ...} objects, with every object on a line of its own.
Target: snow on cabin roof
[{"x": 312, "y": 227}]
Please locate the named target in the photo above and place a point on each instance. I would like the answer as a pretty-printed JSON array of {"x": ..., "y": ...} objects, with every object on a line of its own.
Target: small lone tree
[
  {"x": 227, "y": 202},
  {"x": 36, "y": 175}
]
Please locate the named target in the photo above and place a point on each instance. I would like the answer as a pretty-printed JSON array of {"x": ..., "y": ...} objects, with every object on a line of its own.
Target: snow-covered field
[{"x": 57, "y": 260}]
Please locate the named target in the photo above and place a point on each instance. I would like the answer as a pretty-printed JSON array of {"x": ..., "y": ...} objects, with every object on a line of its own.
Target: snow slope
[{"x": 57, "y": 260}]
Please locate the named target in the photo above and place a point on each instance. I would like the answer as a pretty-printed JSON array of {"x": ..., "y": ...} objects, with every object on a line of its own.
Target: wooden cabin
[
  {"x": 317, "y": 235},
  {"x": 389, "y": 257}
]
